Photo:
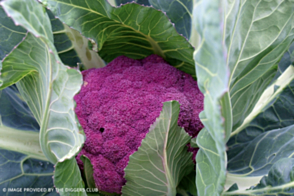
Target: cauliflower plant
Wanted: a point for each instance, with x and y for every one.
(118, 103)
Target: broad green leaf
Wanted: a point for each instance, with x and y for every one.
(72, 47)
(10, 35)
(210, 165)
(257, 33)
(18, 128)
(279, 181)
(88, 172)
(286, 61)
(20, 171)
(212, 77)
(44, 82)
(67, 178)
(187, 185)
(272, 111)
(162, 160)
(15, 112)
(270, 94)
(131, 30)
(178, 11)
(22, 163)
(62, 43)
(249, 162)
(259, 154)
(277, 114)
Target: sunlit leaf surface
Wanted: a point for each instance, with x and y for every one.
(257, 35)
(212, 75)
(44, 82)
(22, 163)
(130, 30)
(162, 160)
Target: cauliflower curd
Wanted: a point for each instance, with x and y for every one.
(118, 103)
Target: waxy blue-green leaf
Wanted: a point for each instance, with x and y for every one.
(279, 181)
(187, 185)
(277, 114)
(15, 112)
(72, 47)
(286, 61)
(255, 47)
(257, 33)
(162, 160)
(68, 179)
(21, 172)
(260, 153)
(273, 111)
(18, 128)
(212, 77)
(210, 165)
(88, 172)
(10, 36)
(62, 43)
(44, 82)
(22, 163)
(178, 11)
(131, 30)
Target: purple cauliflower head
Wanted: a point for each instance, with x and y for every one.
(118, 103)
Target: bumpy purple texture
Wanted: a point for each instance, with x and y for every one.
(118, 103)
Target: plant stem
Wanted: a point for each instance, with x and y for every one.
(26, 142)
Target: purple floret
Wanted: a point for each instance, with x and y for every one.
(118, 103)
